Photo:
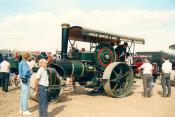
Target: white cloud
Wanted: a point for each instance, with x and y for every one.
(37, 31)
(155, 26)
(42, 30)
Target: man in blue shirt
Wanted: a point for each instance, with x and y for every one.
(24, 75)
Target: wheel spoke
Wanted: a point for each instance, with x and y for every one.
(126, 73)
(119, 75)
(115, 74)
(113, 80)
(115, 86)
(120, 81)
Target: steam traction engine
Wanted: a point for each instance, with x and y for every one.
(98, 67)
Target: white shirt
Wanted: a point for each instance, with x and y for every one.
(5, 66)
(31, 64)
(166, 66)
(147, 68)
(42, 76)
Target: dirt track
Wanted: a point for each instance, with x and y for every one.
(80, 104)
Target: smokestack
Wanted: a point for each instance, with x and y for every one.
(65, 35)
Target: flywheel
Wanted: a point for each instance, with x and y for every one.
(104, 55)
(54, 89)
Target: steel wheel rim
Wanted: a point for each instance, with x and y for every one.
(120, 80)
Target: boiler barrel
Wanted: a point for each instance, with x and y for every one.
(76, 68)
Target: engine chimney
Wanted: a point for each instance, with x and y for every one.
(65, 34)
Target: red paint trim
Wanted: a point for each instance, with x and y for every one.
(99, 59)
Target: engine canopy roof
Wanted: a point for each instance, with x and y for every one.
(78, 33)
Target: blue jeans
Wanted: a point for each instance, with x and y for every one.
(4, 81)
(0, 79)
(43, 101)
(24, 96)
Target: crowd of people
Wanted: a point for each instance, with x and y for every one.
(42, 82)
(25, 67)
(148, 82)
(167, 71)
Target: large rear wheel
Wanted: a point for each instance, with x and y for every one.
(118, 79)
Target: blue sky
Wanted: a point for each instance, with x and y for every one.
(26, 6)
(126, 4)
(38, 21)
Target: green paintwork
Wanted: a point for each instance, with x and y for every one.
(53, 81)
(86, 57)
(101, 51)
(76, 68)
(52, 76)
(13, 63)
